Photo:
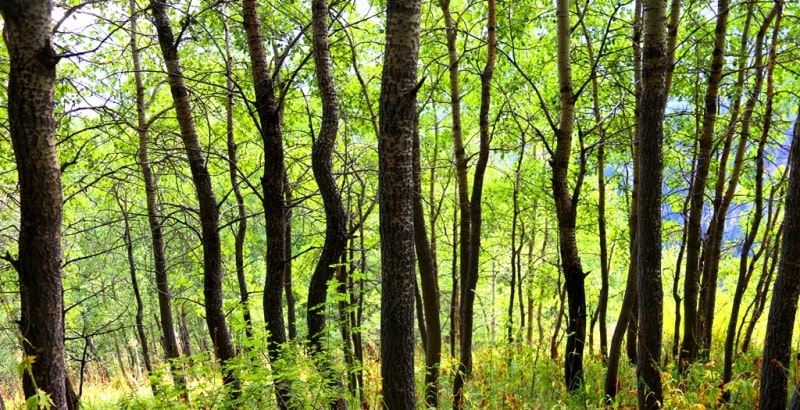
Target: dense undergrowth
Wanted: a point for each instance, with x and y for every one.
(504, 377)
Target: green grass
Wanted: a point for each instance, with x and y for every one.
(504, 377)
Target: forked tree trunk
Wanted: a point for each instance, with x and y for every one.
(209, 217)
(470, 282)
(31, 85)
(273, 182)
(139, 323)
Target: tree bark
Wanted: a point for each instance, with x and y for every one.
(269, 110)
(31, 86)
(776, 363)
(139, 323)
(691, 343)
(430, 288)
(566, 207)
(209, 216)
(398, 126)
(469, 282)
(233, 171)
(627, 313)
(651, 136)
(170, 341)
(746, 269)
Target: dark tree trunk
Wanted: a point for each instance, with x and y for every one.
(783, 308)
(651, 136)
(627, 312)
(430, 289)
(273, 181)
(322, 150)
(288, 282)
(566, 202)
(691, 342)
(140, 333)
(722, 201)
(398, 126)
(241, 210)
(169, 340)
(31, 85)
(746, 269)
(209, 224)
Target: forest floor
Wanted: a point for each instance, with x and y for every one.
(504, 378)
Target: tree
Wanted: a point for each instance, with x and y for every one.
(209, 214)
(398, 125)
(566, 206)
(690, 344)
(169, 339)
(783, 307)
(651, 136)
(273, 185)
(322, 150)
(31, 87)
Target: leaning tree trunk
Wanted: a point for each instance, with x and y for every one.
(783, 308)
(31, 85)
(745, 269)
(273, 186)
(209, 224)
(169, 340)
(651, 136)
(398, 125)
(722, 202)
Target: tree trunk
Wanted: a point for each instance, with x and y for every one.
(169, 341)
(627, 312)
(241, 210)
(566, 208)
(209, 217)
(31, 85)
(398, 126)
(691, 342)
(269, 110)
(776, 363)
(745, 269)
(722, 202)
(140, 334)
(469, 282)
(321, 153)
(461, 259)
(430, 288)
(651, 136)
